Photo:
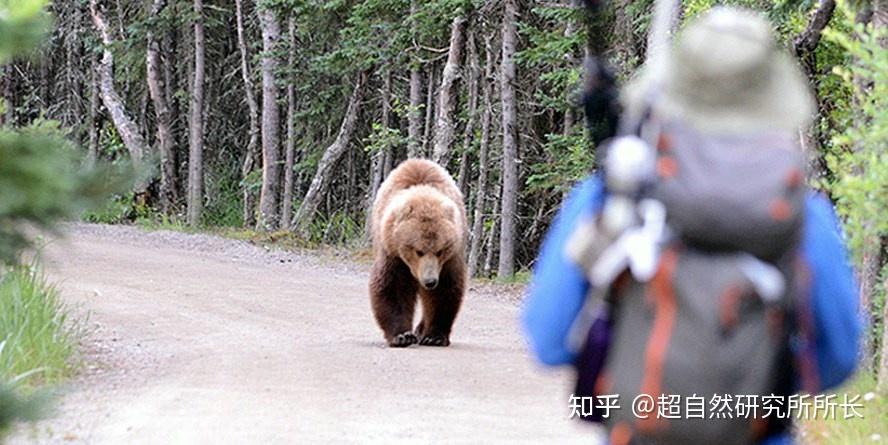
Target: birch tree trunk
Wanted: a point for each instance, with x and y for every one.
(447, 94)
(481, 188)
(269, 198)
(287, 196)
(126, 127)
(506, 266)
(429, 112)
(318, 188)
(164, 120)
(195, 147)
(251, 157)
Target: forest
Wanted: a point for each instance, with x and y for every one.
(284, 116)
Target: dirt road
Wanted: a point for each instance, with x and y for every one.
(197, 339)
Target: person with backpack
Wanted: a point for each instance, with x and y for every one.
(718, 275)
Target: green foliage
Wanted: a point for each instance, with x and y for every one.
(555, 36)
(39, 335)
(859, 159)
(861, 188)
(572, 159)
(337, 228)
(121, 209)
(224, 206)
(23, 24)
(42, 181)
(383, 139)
(553, 51)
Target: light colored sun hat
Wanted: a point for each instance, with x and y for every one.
(725, 74)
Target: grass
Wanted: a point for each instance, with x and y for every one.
(38, 336)
(871, 429)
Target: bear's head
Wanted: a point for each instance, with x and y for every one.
(423, 228)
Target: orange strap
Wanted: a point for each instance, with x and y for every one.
(662, 294)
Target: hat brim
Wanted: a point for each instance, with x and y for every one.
(782, 103)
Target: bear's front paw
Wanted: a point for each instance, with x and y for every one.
(403, 340)
(434, 340)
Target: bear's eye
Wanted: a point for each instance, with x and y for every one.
(419, 252)
(439, 253)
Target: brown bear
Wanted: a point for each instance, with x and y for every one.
(419, 233)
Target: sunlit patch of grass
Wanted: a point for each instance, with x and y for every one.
(872, 428)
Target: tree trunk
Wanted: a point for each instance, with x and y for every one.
(269, 198)
(287, 196)
(251, 157)
(414, 126)
(168, 188)
(474, 72)
(492, 238)
(429, 111)
(569, 31)
(806, 42)
(626, 44)
(126, 127)
(195, 148)
(447, 94)
(804, 46)
(414, 116)
(481, 188)
(172, 79)
(6, 95)
(92, 154)
(318, 188)
(510, 144)
(377, 160)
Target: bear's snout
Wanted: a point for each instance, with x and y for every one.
(430, 283)
(429, 270)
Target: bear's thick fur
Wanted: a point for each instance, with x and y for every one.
(419, 233)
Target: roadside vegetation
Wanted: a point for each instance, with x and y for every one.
(40, 335)
(44, 178)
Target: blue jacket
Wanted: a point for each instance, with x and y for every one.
(559, 287)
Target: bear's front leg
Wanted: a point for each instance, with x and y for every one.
(393, 299)
(440, 306)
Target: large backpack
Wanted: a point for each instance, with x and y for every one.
(714, 321)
